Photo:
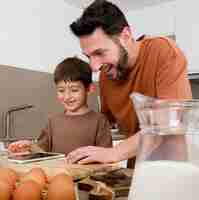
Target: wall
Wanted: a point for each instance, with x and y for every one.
(57, 42)
(35, 34)
(20, 33)
(154, 20)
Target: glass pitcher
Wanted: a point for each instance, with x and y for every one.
(167, 165)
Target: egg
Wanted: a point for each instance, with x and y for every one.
(5, 190)
(8, 175)
(28, 190)
(61, 187)
(36, 174)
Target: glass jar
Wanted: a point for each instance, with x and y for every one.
(167, 165)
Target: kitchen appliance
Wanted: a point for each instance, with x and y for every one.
(167, 165)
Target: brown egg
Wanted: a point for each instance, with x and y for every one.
(28, 190)
(5, 190)
(36, 174)
(61, 187)
(9, 175)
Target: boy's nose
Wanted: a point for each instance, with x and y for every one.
(67, 96)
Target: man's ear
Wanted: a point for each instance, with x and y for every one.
(91, 88)
(126, 35)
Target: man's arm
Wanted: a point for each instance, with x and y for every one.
(127, 148)
(122, 151)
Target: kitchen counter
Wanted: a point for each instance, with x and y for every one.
(84, 196)
(53, 167)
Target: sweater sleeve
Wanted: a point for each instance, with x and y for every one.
(44, 140)
(171, 75)
(103, 135)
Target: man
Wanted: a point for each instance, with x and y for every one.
(152, 66)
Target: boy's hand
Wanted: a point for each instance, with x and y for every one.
(20, 146)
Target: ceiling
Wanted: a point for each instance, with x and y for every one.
(125, 5)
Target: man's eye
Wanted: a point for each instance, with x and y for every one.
(99, 54)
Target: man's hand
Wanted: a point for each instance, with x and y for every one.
(91, 154)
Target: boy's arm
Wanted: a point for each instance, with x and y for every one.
(103, 136)
(36, 148)
(44, 140)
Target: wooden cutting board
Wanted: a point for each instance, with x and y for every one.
(55, 166)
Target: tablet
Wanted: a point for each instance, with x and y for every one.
(33, 157)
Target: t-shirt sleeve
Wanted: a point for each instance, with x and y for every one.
(171, 75)
(103, 136)
(44, 140)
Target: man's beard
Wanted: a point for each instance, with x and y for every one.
(121, 66)
(122, 69)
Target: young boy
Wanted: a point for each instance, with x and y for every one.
(78, 125)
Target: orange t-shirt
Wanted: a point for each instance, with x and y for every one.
(160, 71)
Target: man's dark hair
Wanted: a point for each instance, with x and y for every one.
(73, 69)
(100, 14)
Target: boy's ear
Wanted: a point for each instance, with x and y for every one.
(91, 88)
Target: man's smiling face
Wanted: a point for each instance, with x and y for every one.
(105, 53)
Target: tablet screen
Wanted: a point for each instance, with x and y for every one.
(22, 158)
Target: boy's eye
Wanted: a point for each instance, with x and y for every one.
(61, 91)
(74, 90)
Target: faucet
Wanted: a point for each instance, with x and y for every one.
(7, 118)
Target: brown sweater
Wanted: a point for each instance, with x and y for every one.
(64, 133)
(160, 71)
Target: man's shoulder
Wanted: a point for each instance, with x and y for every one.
(162, 46)
(159, 41)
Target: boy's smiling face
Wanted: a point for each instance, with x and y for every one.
(73, 96)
